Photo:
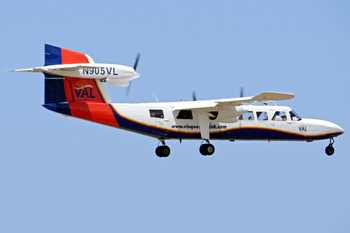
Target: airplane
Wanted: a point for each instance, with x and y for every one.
(74, 86)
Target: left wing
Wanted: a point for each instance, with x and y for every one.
(263, 97)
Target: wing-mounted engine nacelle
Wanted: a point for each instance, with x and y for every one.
(228, 114)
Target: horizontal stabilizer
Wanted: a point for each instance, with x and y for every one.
(66, 67)
(39, 69)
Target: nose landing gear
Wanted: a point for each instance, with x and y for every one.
(163, 150)
(330, 149)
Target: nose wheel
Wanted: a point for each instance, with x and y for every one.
(163, 150)
(207, 149)
(330, 149)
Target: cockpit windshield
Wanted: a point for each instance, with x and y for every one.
(294, 116)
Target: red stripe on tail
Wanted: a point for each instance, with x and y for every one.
(71, 57)
(84, 97)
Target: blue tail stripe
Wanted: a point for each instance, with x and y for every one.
(54, 89)
(59, 107)
(53, 55)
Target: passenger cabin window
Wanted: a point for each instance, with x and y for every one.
(262, 116)
(247, 116)
(279, 116)
(294, 116)
(156, 113)
(185, 114)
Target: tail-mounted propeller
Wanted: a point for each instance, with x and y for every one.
(135, 66)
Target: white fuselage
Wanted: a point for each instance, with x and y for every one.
(169, 123)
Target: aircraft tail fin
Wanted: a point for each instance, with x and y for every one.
(60, 89)
(58, 56)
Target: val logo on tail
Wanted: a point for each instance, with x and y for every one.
(75, 86)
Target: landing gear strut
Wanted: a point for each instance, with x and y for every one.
(330, 148)
(207, 149)
(163, 150)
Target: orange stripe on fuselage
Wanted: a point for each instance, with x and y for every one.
(96, 112)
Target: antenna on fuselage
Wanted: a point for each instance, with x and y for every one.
(155, 97)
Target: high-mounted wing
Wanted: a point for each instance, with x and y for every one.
(263, 97)
(204, 108)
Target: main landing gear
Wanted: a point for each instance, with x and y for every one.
(330, 148)
(163, 150)
(207, 149)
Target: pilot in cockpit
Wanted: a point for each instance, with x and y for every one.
(277, 117)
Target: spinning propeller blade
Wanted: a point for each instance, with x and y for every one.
(135, 66)
(194, 96)
(128, 90)
(137, 60)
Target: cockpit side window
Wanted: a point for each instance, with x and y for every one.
(247, 116)
(157, 113)
(294, 116)
(262, 116)
(279, 116)
(185, 114)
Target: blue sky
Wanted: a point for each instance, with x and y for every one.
(60, 174)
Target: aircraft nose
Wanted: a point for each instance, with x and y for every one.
(341, 130)
(335, 128)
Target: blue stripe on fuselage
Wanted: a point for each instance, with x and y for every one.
(126, 123)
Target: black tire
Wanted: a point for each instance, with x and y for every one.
(330, 150)
(210, 149)
(203, 149)
(165, 151)
(159, 151)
